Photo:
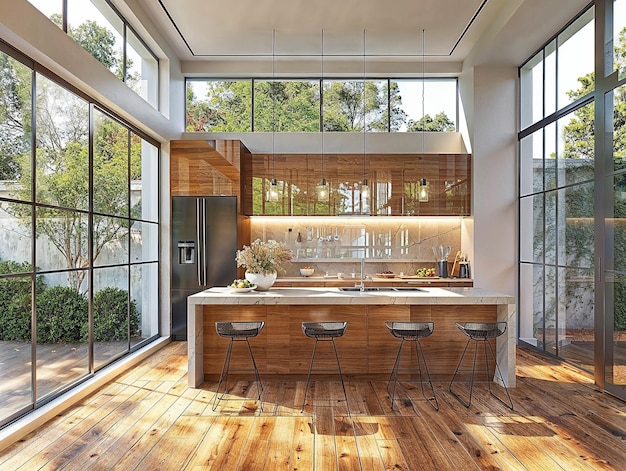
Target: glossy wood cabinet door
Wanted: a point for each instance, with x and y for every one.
(393, 181)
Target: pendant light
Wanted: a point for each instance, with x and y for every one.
(272, 194)
(422, 192)
(365, 189)
(322, 189)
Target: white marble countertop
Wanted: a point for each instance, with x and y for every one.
(336, 296)
(505, 305)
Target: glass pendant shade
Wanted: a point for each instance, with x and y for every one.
(322, 191)
(272, 194)
(365, 190)
(422, 195)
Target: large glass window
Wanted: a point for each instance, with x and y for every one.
(84, 248)
(559, 74)
(619, 37)
(142, 68)
(343, 105)
(294, 105)
(99, 31)
(556, 164)
(531, 90)
(575, 60)
(381, 114)
(615, 237)
(433, 108)
(219, 105)
(105, 34)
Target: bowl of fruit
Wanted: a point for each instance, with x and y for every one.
(307, 271)
(386, 274)
(241, 286)
(427, 273)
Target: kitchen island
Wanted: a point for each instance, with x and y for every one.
(367, 349)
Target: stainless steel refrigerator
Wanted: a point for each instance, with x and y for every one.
(204, 245)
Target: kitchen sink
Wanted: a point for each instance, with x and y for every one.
(368, 289)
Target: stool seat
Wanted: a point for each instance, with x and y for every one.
(239, 329)
(482, 330)
(316, 330)
(409, 330)
(324, 332)
(237, 332)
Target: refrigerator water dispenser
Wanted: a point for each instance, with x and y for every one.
(186, 251)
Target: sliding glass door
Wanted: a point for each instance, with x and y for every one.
(615, 245)
(572, 209)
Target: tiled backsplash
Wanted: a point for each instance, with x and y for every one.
(337, 245)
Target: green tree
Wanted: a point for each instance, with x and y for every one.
(97, 41)
(578, 133)
(286, 106)
(440, 123)
(393, 115)
(62, 177)
(62, 155)
(15, 121)
(100, 42)
(200, 116)
(343, 106)
(227, 107)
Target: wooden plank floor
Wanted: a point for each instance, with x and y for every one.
(149, 419)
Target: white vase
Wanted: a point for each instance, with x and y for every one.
(262, 281)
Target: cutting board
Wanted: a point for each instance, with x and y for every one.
(415, 277)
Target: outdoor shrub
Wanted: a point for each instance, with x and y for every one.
(111, 314)
(62, 313)
(15, 302)
(620, 306)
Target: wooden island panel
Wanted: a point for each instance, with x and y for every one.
(367, 348)
(349, 347)
(444, 347)
(382, 347)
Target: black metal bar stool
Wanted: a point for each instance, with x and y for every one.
(411, 332)
(324, 331)
(481, 332)
(237, 332)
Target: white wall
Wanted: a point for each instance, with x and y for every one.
(489, 95)
(344, 142)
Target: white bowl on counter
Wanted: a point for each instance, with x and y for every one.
(307, 271)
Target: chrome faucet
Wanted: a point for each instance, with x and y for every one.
(362, 286)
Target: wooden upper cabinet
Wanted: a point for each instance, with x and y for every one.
(205, 168)
(210, 168)
(393, 181)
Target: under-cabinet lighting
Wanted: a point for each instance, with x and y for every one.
(312, 220)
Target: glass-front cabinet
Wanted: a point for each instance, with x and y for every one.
(374, 184)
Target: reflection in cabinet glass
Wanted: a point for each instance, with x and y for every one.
(394, 181)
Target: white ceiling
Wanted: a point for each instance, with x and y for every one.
(211, 30)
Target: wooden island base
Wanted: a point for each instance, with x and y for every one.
(367, 349)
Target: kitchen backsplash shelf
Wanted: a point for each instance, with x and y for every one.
(358, 260)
